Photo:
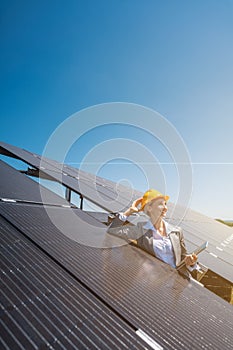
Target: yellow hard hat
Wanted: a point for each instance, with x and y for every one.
(150, 195)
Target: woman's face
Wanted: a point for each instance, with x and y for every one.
(157, 208)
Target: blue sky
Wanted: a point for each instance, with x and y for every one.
(172, 56)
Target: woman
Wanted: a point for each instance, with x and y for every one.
(155, 236)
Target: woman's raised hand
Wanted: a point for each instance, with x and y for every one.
(134, 207)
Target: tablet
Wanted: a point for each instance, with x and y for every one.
(200, 248)
(197, 251)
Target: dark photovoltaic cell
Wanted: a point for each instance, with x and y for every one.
(149, 294)
(43, 306)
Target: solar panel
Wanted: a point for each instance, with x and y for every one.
(89, 190)
(149, 294)
(19, 153)
(44, 306)
(99, 191)
(199, 228)
(114, 189)
(17, 186)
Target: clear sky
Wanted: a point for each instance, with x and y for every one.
(172, 56)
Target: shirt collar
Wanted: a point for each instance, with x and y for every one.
(149, 226)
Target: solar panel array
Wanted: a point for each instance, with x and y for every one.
(112, 198)
(66, 284)
(44, 306)
(219, 253)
